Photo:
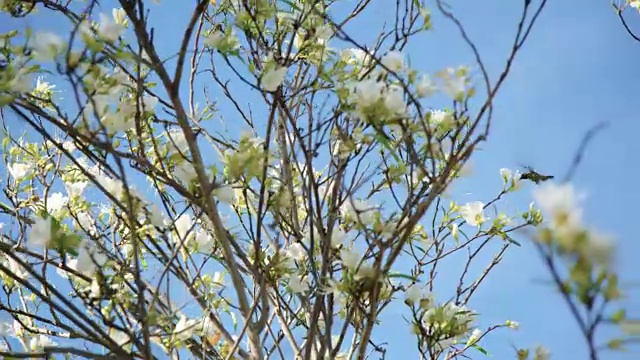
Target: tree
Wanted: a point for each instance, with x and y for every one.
(141, 227)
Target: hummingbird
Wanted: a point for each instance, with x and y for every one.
(535, 176)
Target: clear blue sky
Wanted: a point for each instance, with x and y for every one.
(578, 68)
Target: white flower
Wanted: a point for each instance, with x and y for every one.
(393, 60)
(414, 294)
(355, 56)
(85, 221)
(56, 202)
(214, 39)
(119, 16)
(296, 251)
(512, 324)
(71, 264)
(6, 329)
(394, 100)
(185, 172)
(204, 241)
(42, 89)
(75, 189)
(425, 87)
(368, 92)
(358, 210)
(635, 4)
(178, 141)
(599, 247)
(506, 174)
(109, 30)
(156, 217)
(19, 170)
(218, 278)
(185, 328)
(473, 338)
(454, 85)
(120, 121)
(271, 79)
(454, 231)
(149, 103)
(541, 354)
(112, 186)
(89, 258)
(350, 258)
(440, 117)
(40, 234)
(509, 176)
(473, 213)
(183, 227)
(39, 342)
(337, 236)
(94, 289)
(561, 203)
(47, 46)
(17, 269)
(120, 337)
(69, 146)
(225, 193)
(298, 284)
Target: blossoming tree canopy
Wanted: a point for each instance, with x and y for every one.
(154, 208)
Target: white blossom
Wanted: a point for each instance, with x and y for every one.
(108, 30)
(55, 202)
(214, 39)
(183, 227)
(414, 294)
(185, 328)
(338, 236)
(185, 172)
(149, 103)
(350, 259)
(112, 186)
(17, 269)
(472, 213)
(425, 87)
(454, 85)
(225, 193)
(119, 16)
(541, 353)
(178, 141)
(394, 100)
(393, 60)
(89, 258)
(19, 170)
(298, 284)
(474, 337)
(71, 264)
(358, 210)
(296, 251)
(75, 189)
(204, 241)
(39, 342)
(40, 234)
(46, 46)
(368, 92)
(271, 79)
(561, 203)
(120, 337)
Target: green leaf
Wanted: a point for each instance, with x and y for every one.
(387, 145)
(402, 276)
(482, 350)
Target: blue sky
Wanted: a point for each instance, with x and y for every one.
(577, 69)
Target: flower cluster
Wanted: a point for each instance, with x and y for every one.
(561, 205)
